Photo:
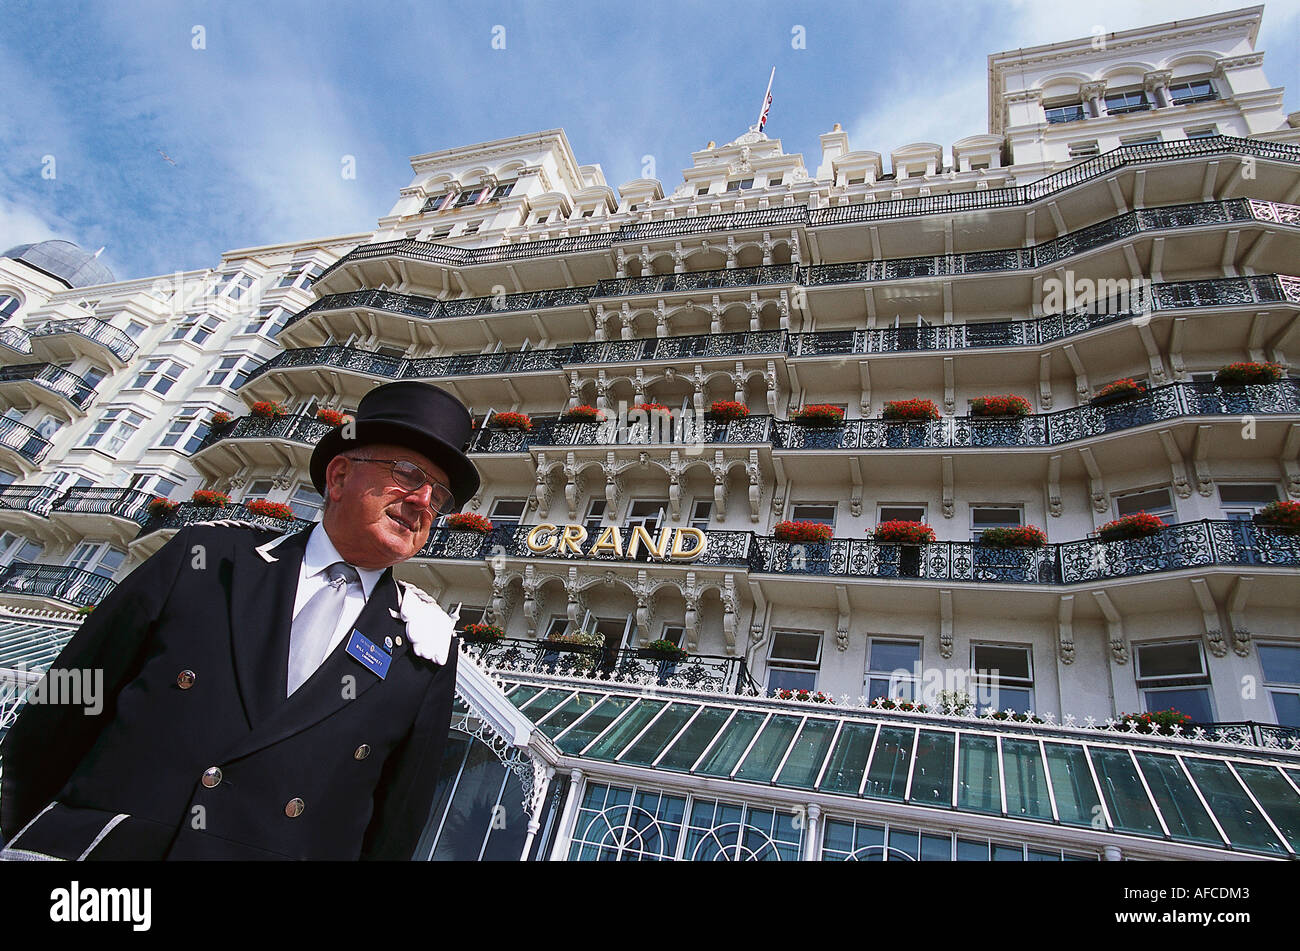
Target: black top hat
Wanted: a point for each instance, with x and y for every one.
(417, 416)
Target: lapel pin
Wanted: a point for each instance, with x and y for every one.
(399, 642)
(388, 643)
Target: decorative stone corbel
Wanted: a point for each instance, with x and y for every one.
(864, 378)
(754, 475)
(691, 594)
(855, 495)
(1065, 628)
(1054, 506)
(729, 609)
(1237, 615)
(842, 624)
(1176, 465)
(1045, 380)
(1201, 460)
(1114, 628)
(1096, 487)
(1210, 615)
(573, 485)
(531, 607)
(1081, 386)
(1291, 460)
(948, 503)
(945, 624)
(674, 485)
(949, 387)
(1158, 375)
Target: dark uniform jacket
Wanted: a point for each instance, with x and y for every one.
(197, 744)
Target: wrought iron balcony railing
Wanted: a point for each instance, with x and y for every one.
(53, 378)
(787, 216)
(301, 429)
(38, 499)
(713, 672)
(102, 500)
(59, 582)
(553, 432)
(698, 280)
(187, 513)
(1184, 545)
(22, 439)
(92, 328)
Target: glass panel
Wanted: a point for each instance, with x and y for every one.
(632, 722)
(852, 841)
(848, 759)
(936, 848)
(590, 728)
(1241, 821)
(1026, 780)
(1002, 661)
(888, 776)
(888, 656)
(1287, 707)
(972, 850)
(1037, 855)
(1130, 810)
(932, 775)
(544, 703)
(1193, 701)
(1076, 794)
(651, 744)
(569, 712)
(1182, 811)
(1281, 664)
(761, 763)
(694, 739)
(1276, 796)
(977, 786)
(1008, 853)
(1169, 660)
(806, 757)
(903, 844)
(731, 745)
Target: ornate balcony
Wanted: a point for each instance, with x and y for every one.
(698, 280)
(712, 672)
(786, 216)
(553, 432)
(1185, 545)
(57, 583)
(36, 383)
(187, 513)
(21, 443)
(67, 339)
(258, 440)
(37, 499)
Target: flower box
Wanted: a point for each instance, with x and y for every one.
(898, 532)
(468, 522)
(333, 417)
(727, 410)
(819, 414)
(210, 499)
(649, 408)
(1121, 391)
(276, 510)
(1248, 374)
(1027, 536)
(220, 418)
(571, 647)
(267, 409)
(1163, 721)
(482, 633)
(806, 696)
(910, 410)
(907, 706)
(1015, 717)
(1009, 405)
(662, 649)
(808, 532)
(511, 421)
(1283, 516)
(583, 414)
(160, 508)
(1131, 526)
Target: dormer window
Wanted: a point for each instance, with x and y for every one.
(1184, 94)
(740, 184)
(702, 190)
(774, 181)
(858, 180)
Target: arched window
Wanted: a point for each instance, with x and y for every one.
(9, 305)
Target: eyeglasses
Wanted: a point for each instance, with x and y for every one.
(411, 478)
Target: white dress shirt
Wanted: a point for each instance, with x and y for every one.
(320, 554)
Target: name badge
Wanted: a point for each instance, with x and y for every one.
(371, 655)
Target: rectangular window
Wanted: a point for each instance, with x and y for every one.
(1152, 138)
(1070, 112)
(1204, 132)
(674, 633)
(595, 515)
(471, 228)
(507, 512)
(1199, 90)
(858, 180)
(994, 516)
(134, 329)
(1174, 674)
(902, 513)
(775, 180)
(1281, 665)
(820, 512)
(892, 668)
(1153, 502)
(1241, 501)
(231, 372)
(305, 502)
(502, 191)
(701, 511)
(793, 660)
(468, 197)
(187, 430)
(112, 430)
(1006, 674)
(1120, 103)
(740, 184)
(1080, 150)
(647, 512)
(432, 202)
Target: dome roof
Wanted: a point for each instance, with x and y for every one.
(63, 261)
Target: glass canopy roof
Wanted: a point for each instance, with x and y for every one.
(1241, 800)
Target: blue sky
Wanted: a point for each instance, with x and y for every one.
(259, 121)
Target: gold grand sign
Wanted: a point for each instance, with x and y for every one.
(675, 544)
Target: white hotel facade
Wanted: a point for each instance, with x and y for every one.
(1159, 165)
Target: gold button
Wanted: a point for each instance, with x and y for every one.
(185, 679)
(294, 807)
(362, 752)
(211, 776)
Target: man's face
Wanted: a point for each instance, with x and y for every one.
(372, 521)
